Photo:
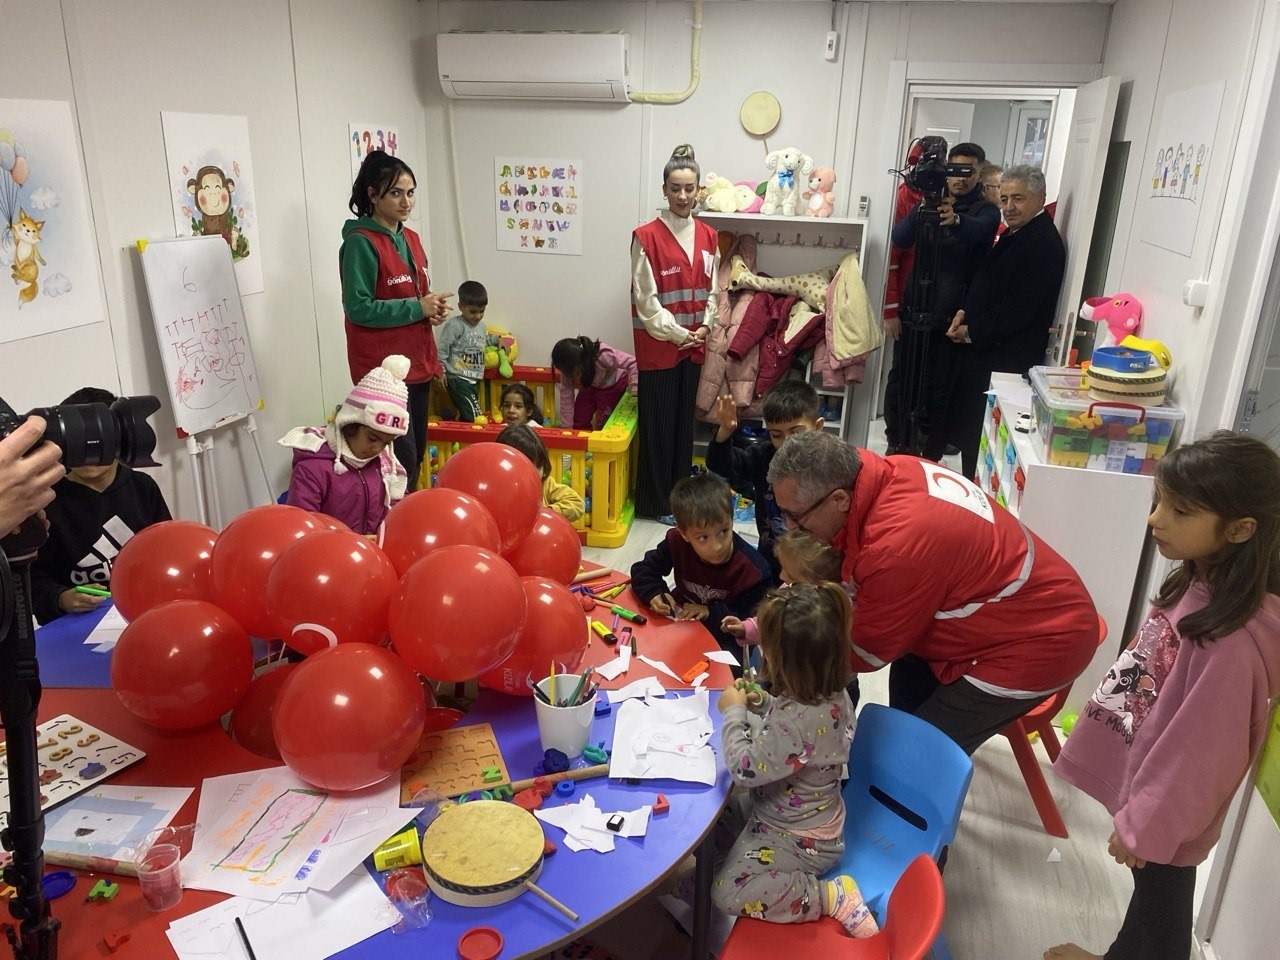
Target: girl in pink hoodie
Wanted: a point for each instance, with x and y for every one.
(1179, 719)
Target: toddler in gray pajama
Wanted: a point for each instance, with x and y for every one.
(785, 751)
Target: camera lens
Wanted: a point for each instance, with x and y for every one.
(93, 434)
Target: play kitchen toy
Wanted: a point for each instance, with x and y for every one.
(1077, 430)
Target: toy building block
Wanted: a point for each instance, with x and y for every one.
(602, 707)
(615, 822)
(502, 792)
(565, 788)
(114, 941)
(104, 889)
(661, 805)
(491, 774)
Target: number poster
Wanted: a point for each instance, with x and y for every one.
(364, 138)
(538, 205)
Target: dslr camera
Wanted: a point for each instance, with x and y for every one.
(930, 173)
(89, 434)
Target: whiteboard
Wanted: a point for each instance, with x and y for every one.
(201, 330)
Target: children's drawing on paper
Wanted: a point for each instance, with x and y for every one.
(212, 186)
(273, 833)
(1182, 158)
(45, 241)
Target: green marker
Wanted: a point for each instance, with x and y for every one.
(93, 592)
(626, 614)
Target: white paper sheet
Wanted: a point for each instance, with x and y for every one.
(310, 926)
(664, 739)
(104, 636)
(646, 686)
(585, 827)
(613, 669)
(661, 668)
(722, 656)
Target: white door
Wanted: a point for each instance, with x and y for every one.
(950, 119)
(1084, 162)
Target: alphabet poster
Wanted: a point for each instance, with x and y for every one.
(538, 205)
(1178, 167)
(364, 138)
(211, 183)
(47, 255)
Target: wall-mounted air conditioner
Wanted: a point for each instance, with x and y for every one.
(534, 66)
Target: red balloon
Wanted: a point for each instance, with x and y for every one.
(243, 556)
(457, 613)
(551, 549)
(182, 664)
(349, 717)
(165, 561)
(429, 519)
(330, 588)
(501, 478)
(251, 719)
(327, 522)
(554, 630)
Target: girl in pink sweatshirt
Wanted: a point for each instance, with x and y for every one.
(1178, 721)
(599, 373)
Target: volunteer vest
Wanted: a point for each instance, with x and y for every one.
(683, 288)
(367, 347)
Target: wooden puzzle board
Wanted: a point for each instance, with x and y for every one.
(74, 755)
(453, 761)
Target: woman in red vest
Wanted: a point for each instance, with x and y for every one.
(385, 294)
(673, 268)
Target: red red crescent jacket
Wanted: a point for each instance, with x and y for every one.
(943, 572)
(683, 288)
(367, 347)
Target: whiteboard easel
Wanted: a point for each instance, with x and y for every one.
(204, 345)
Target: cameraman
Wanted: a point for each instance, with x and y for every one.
(26, 478)
(967, 224)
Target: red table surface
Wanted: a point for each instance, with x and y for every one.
(178, 758)
(678, 644)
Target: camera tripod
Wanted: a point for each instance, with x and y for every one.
(920, 325)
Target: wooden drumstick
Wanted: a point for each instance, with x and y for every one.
(580, 773)
(533, 887)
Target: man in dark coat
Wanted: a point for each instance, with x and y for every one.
(1004, 326)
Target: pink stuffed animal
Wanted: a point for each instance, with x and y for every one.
(821, 199)
(1122, 314)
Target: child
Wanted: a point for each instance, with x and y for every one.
(95, 511)
(803, 560)
(786, 756)
(789, 407)
(1176, 724)
(518, 407)
(556, 496)
(461, 341)
(599, 372)
(717, 573)
(347, 469)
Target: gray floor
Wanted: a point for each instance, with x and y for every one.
(1005, 899)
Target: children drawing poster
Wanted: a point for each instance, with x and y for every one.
(538, 205)
(364, 138)
(1178, 167)
(211, 183)
(1269, 770)
(47, 252)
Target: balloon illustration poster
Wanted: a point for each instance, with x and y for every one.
(48, 264)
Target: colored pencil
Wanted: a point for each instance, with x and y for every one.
(552, 692)
(244, 938)
(577, 688)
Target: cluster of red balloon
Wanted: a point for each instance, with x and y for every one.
(469, 581)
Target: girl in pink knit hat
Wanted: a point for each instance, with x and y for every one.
(347, 469)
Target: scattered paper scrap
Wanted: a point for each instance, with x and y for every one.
(644, 687)
(1054, 856)
(584, 824)
(661, 667)
(664, 739)
(722, 656)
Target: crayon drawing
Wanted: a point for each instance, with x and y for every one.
(1181, 161)
(46, 242)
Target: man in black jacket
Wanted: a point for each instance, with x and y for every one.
(966, 225)
(1004, 326)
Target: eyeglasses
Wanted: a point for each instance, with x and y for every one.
(798, 518)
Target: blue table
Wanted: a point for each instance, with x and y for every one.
(596, 886)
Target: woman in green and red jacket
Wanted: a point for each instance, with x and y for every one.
(386, 299)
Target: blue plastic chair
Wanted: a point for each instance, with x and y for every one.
(907, 784)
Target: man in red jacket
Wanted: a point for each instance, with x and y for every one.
(980, 618)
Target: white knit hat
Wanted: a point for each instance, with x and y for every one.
(380, 400)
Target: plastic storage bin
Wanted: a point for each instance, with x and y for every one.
(1076, 431)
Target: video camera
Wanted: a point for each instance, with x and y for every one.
(89, 434)
(929, 174)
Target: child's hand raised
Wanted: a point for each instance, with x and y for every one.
(727, 416)
(733, 627)
(693, 611)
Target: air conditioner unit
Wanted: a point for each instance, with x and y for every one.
(534, 66)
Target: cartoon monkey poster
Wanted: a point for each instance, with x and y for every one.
(212, 186)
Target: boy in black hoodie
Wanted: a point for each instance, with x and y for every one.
(95, 510)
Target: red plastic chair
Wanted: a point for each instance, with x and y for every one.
(1018, 733)
(910, 925)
